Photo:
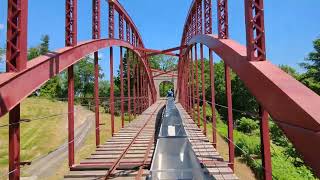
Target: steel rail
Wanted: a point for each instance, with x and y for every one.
(117, 162)
(140, 171)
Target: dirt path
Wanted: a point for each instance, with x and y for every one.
(46, 166)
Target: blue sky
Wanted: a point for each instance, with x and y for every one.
(291, 25)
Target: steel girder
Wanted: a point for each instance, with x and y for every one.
(13, 88)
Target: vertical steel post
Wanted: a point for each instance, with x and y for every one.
(96, 35)
(265, 144)
(223, 19)
(256, 51)
(134, 90)
(111, 35)
(71, 40)
(14, 143)
(16, 60)
(203, 92)
(121, 36)
(71, 115)
(213, 102)
(255, 32)
(121, 87)
(112, 102)
(197, 85)
(208, 16)
(230, 116)
(192, 84)
(128, 84)
(141, 88)
(223, 33)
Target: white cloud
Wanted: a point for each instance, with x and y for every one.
(1, 26)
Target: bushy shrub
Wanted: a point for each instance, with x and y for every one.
(247, 125)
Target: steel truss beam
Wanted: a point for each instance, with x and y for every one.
(16, 61)
(254, 14)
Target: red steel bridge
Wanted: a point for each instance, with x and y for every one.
(294, 107)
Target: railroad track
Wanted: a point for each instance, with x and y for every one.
(127, 155)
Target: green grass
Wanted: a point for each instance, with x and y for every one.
(36, 134)
(40, 137)
(282, 166)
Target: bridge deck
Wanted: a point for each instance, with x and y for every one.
(137, 139)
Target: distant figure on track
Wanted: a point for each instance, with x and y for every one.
(170, 93)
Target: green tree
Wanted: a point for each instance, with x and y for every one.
(311, 78)
(290, 70)
(165, 87)
(2, 53)
(163, 62)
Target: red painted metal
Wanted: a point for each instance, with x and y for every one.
(111, 102)
(119, 8)
(135, 90)
(71, 23)
(230, 116)
(96, 25)
(71, 40)
(223, 33)
(197, 83)
(141, 90)
(128, 32)
(111, 35)
(111, 20)
(256, 51)
(207, 17)
(96, 35)
(223, 19)
(121, 87)
(16, 60)
(299, 117)
(213, 101)
(14, 143)
(129, 83)
(254, 14)
(42, 68)
(199, 17)
(265, 144)
(204, 116)
(96, 97)
(189, 82)
(166, 51)
(121, 27)
(71, 115)
(192, 85)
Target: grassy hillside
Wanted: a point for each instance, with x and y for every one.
(283, 166)
(46, 127)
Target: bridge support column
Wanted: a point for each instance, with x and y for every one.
(128, 84)
(111, 102)
(16, 60)
(71, 40)
(14, 143)
(197, 85)
(213, 102)
(96, 35)
(265, 144)
(121, 88)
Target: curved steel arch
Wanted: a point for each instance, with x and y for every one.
(14, 87)
(294, 107)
